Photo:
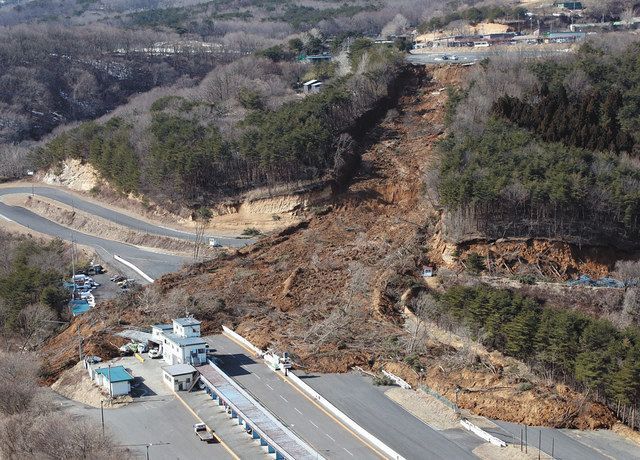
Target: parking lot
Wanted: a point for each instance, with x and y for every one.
(147, 374)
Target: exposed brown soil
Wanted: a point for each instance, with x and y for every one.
(329, 289)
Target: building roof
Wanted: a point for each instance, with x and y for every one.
(164, 327)
(179, 369)
(185, 341)
(187, 321)
(310, 82)
(117, 373)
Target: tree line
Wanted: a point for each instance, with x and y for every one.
(188, 152)
(508, 183)
(31, 293)
(588, 353)
(546, 148)
(587, 102)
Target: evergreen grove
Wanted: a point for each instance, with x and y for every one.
(576, 348)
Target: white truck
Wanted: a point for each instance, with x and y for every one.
(278, 362)
(203, 432)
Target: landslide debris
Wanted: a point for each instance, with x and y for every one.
(332, 289)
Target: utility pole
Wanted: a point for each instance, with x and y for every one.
(102, 415)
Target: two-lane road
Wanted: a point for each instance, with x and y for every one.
(152, 263)
(319, 429)
(114, 216)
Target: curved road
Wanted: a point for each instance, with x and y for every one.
(115, 216)
(154, 264)
(465, 56)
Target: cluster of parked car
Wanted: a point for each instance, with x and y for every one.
(123, 282)
(130, 348)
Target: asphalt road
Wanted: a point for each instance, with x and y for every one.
(288, 404)
(161, 421)
(467, 56)
(370, 408)
(152, 263)
(570, 444)
(117, 217)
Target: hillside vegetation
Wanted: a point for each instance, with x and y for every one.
(588, 353)
(31, 294)
(551, 154)
(243, 127)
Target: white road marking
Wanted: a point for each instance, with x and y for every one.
(314, 424)
(5, 218)
(330, 437)
(283, 398)
(348, 451)
(269, 386)
(296, 409)
(258, 377)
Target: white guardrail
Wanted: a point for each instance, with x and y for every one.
(382, 447)
(481, 433)
(242, 340)
(401, 383)
(133, 267)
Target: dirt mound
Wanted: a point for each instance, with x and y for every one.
(75, 384)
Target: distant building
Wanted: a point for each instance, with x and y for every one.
(312, 86)
(427, 272)
(571, 6)
(179, 377)
(114, 379)
(563, 37)
(180, 342)
(314, 58)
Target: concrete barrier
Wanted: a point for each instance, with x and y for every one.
(482, 434)
(382, 447)
(237, 337)
(401, 383)
(133, 267)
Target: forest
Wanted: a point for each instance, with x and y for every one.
(588, 353)
(242, 127)
(549, 152)
(31, 294)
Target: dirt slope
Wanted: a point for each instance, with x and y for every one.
(330, 289)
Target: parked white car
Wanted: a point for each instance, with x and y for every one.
(155, 353)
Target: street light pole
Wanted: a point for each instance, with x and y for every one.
(102, 414)
(147, 451)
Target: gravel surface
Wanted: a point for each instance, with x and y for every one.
(425, 407)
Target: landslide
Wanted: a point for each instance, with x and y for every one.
(330, 289)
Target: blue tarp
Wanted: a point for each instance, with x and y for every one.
(79, 306)
(585, 280)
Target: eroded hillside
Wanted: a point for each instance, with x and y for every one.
(338, 289)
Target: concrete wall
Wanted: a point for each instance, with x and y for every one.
(120, 388)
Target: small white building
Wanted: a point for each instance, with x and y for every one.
(179, 376)
(307, 87)
(114, 379)
(180, 342)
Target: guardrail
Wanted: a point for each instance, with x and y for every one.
(344, 418)
(401, 383)
(481, 433)
(242, 340)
